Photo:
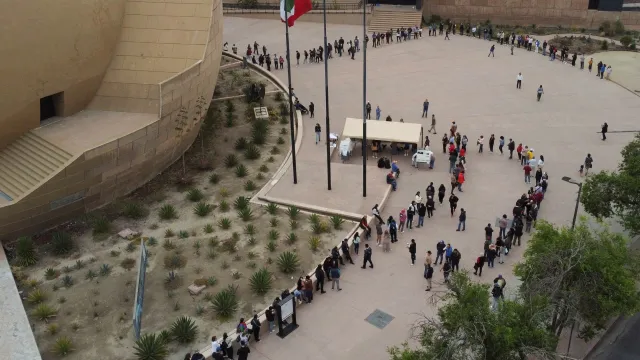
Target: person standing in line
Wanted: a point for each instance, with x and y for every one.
(378, 112)
(226, 347)
(492, 51)
(402, 217)
(455, 260)
(462, 220)
(540, 92)
(243, 352)
(335, 277)
(501, 249)
(453, 203)
(422, 211)
(605, 129)
(503, 223)
(480, 143)
(411, 211)
(297, 58)
(442, 191)
(527, 173)
(378, 233)
(255, 322)
(511, 146)
(581, 61)
(447, 253)
(393, 229)
(496, 295)
(446, 34)
(492, 141)
(431, 205)
(356, 243)
(345, 251)
(312, 108)
(440, 251)
(590, 64)
(271, 319)
(501, 144)
(479, 264)
(425, 108)
(519, 81)
(412, 251)
(318, 131)
(367, 257)
(319, 283)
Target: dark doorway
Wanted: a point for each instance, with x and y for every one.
(51, 106)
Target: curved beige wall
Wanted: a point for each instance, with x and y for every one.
(51, 46)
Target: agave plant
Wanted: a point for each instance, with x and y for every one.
(223, 192)
(250, 186)
(274, 222)
(90, 275)
(63, 346)
(152, 241)
(225, 303)
(272, 246)
(134, 210)
(242, 202)
(168, 245)
(67, 281)
(252, 241)
(252, 152)
(314, 243)
(26, 252)
(245, 214)
(37, 296)
(293, 224)
(288, 262)
(208, 229)
(241, 171)
(263, 168)
(51, 273)
(261, 282)
(291, 239)
(293, 212)
(337, 222)
(202, 209)
(273, 235)
(250, 229)
(194, 195)
(151, 347)
(224, 223)
(183, 234)
(230, 161)
(167, 212)
(105, 270)
(101, 225)
(241, 144)
(214, 178)
(44, 312)
(224, 206)
(314, 219)
(274, 150)
(272, 209)
(184, 330)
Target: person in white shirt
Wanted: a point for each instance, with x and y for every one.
(375, 212)
(533, 163)
(215, 345)
(519, 81)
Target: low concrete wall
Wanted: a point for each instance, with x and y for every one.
(345, 17)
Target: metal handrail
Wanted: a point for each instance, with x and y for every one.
(316, 6)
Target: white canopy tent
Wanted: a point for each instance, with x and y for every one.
(387, 131)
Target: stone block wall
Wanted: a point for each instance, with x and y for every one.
(100, 175)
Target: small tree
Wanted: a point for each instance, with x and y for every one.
(626, 40)
(466, 328)
(617, 194)
(587, 275)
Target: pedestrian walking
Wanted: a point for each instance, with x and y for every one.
(318, 131)
(605, 129)
(428, 274)
(492, 141)
(492, 51)
(412, 251)
(540, 92)
(243, 352)
(588, 164)
(496, 296)
(511, 146)
(425, 108)
(519, 81)
(442, 191)
(453, 203)
(462, 220)
(433, 124)
(446, 271)
(312, 109)
(440, 247)
(480, 143)
(367, 257)
(479, 264)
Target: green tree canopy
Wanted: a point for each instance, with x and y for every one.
(466, 328)
(617, 194)
(587, 275)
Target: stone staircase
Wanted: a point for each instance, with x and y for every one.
(394, 18)
(26, 163)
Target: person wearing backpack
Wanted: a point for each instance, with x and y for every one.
(367, 256)
(428, 274)
(446, 270)
(496, 296)
(335, 277)
(411, 210)
(431, 205)
(393, 229)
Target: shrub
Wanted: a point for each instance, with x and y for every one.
(241, 202)
(225, 265)
(337, 222)
(62, 243)
(224, 223)
(128, 263)
(67, 281)
(291, 239)
(314, 243)
(314, 219)
(174, 261)
(230, 161)
(229, 121)
(214, 242)
(212, 254)
(223, 193)
(134, 210)
(250, 229)
(633, 46)
(224, 206)
(52, 329)
(131, 246)
(90, 275)
(63, 346)
(167, 212)
(183, 234)
(618, 27)
(37, 296)
(293, 212)
(288, 262)
(241, 171)
(168, 245)
(271, 208)
(101, 225)
(260, 176)
(43, 312)
(280, 141)
(51, 273)
(79, 264)
(275, 150)
(319, 228)
(105, 270)
(245, 214)
(194, 195)
(272, 246)
(263, 168)
(208, 229)
(26, 252)
(212, 281)
(259, 132)
(284, 131)
(152, 347)
(251, 255)
(283, 120)
(605, 45)
(152, 241)
(274, 222)
(236, 275)
(252, 241)
(202, 209)
(225, 303)
(229, 106)
(293, 224)
(273, 235)
(626, 40)
(252, 152)
(184, 330)
(241, 144)
(169, 233)
(214, 178)
(261, 282)
(250, 186)
(279, 97)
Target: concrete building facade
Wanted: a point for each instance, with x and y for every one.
(129, 82)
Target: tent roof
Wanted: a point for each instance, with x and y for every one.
(391, 131)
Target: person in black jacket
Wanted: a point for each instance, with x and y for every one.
(345, 251)
(462, 220)
(431, 205)
(453, 203)
(442, 191)
(412, 251)
(511, 146)
(326, 266)
(271, 318)
(335, 256)
(255, 327)
(479, 265)
(431, 190)
(455, 260)
(440, 251)
(312, 108)
(422, 211)
(226, 346)
(320, 279)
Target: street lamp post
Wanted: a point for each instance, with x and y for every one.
(573, 226)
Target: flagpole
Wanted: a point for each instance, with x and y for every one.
(326, 95)
(293, 139)
(364, 100)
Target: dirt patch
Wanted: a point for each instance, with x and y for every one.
(92, 287)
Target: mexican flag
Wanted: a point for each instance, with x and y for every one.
(293, 9)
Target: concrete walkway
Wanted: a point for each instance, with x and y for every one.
(479, 93)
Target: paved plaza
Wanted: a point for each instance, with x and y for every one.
(464, 85)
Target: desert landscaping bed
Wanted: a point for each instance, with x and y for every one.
(78, 281)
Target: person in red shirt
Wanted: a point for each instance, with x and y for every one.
(527, 173)
(519, 151)
(460, 180)
(463, 152)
